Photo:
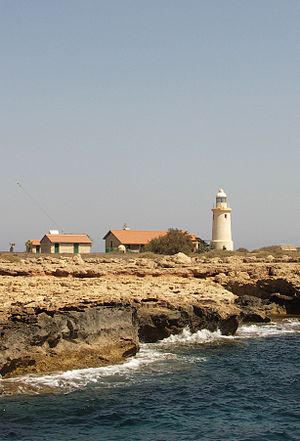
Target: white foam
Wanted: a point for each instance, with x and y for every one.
(150, 358)
(286, 326)
(187, 337)
(79, 378)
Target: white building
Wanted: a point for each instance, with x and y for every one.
(221, 224)
(65, 243)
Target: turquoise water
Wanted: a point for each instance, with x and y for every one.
(190, 387)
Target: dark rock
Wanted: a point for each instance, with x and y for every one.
(249, 301)
(69, 339)
(254, 309)
(278, 285)
(158, 323)
(291, 303)
(229, 326)
(254, 317)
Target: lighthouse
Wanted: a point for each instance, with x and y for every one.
(221, 224)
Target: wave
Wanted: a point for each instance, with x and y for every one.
(150, 358)
(285, 326)
(204, 336)
(188, 337)
(66, 382)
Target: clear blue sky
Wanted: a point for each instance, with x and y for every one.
(137, 111)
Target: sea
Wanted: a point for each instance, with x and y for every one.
(201, 386)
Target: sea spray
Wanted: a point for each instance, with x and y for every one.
(187, 337)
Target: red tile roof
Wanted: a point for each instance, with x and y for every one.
(68, 238)
(135, 237)
(195, 238)
(35, 242)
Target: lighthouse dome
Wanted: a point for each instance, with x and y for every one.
(221, 193)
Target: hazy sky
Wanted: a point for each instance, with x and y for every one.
(137, 111)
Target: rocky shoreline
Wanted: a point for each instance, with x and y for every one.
(60, 313)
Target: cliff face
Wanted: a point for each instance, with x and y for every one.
(44, 340)
(64, 313)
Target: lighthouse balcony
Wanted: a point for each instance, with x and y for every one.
(221, 208)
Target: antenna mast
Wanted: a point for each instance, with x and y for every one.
(37, 204)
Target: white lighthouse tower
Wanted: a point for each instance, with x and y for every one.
(221, 225)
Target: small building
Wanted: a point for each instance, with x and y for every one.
(288, 247)
(199, 244)
(135, 240)
(33, 246)
(66, 243)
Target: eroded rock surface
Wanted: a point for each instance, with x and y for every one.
(60, 313)
(42, 340)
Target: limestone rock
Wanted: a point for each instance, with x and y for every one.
(46, 341)
(78, 260)
(63, 312)
(182, 258)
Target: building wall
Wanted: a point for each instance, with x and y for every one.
(134, 247)
(84, 248)
(67, 248)
(64, 248)
(46, 246)
(111, 243)
(195, 246)
(221, 229)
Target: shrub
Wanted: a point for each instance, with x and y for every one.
(28, 246)
(219, 253)
(203, 247)
(173, 242)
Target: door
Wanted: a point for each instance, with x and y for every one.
(76, 248)
(56, 248)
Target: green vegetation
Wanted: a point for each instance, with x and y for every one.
(28, 246)
(274, 250)
(220, 253)
(173, 242)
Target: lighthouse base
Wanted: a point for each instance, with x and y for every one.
(222, 245)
